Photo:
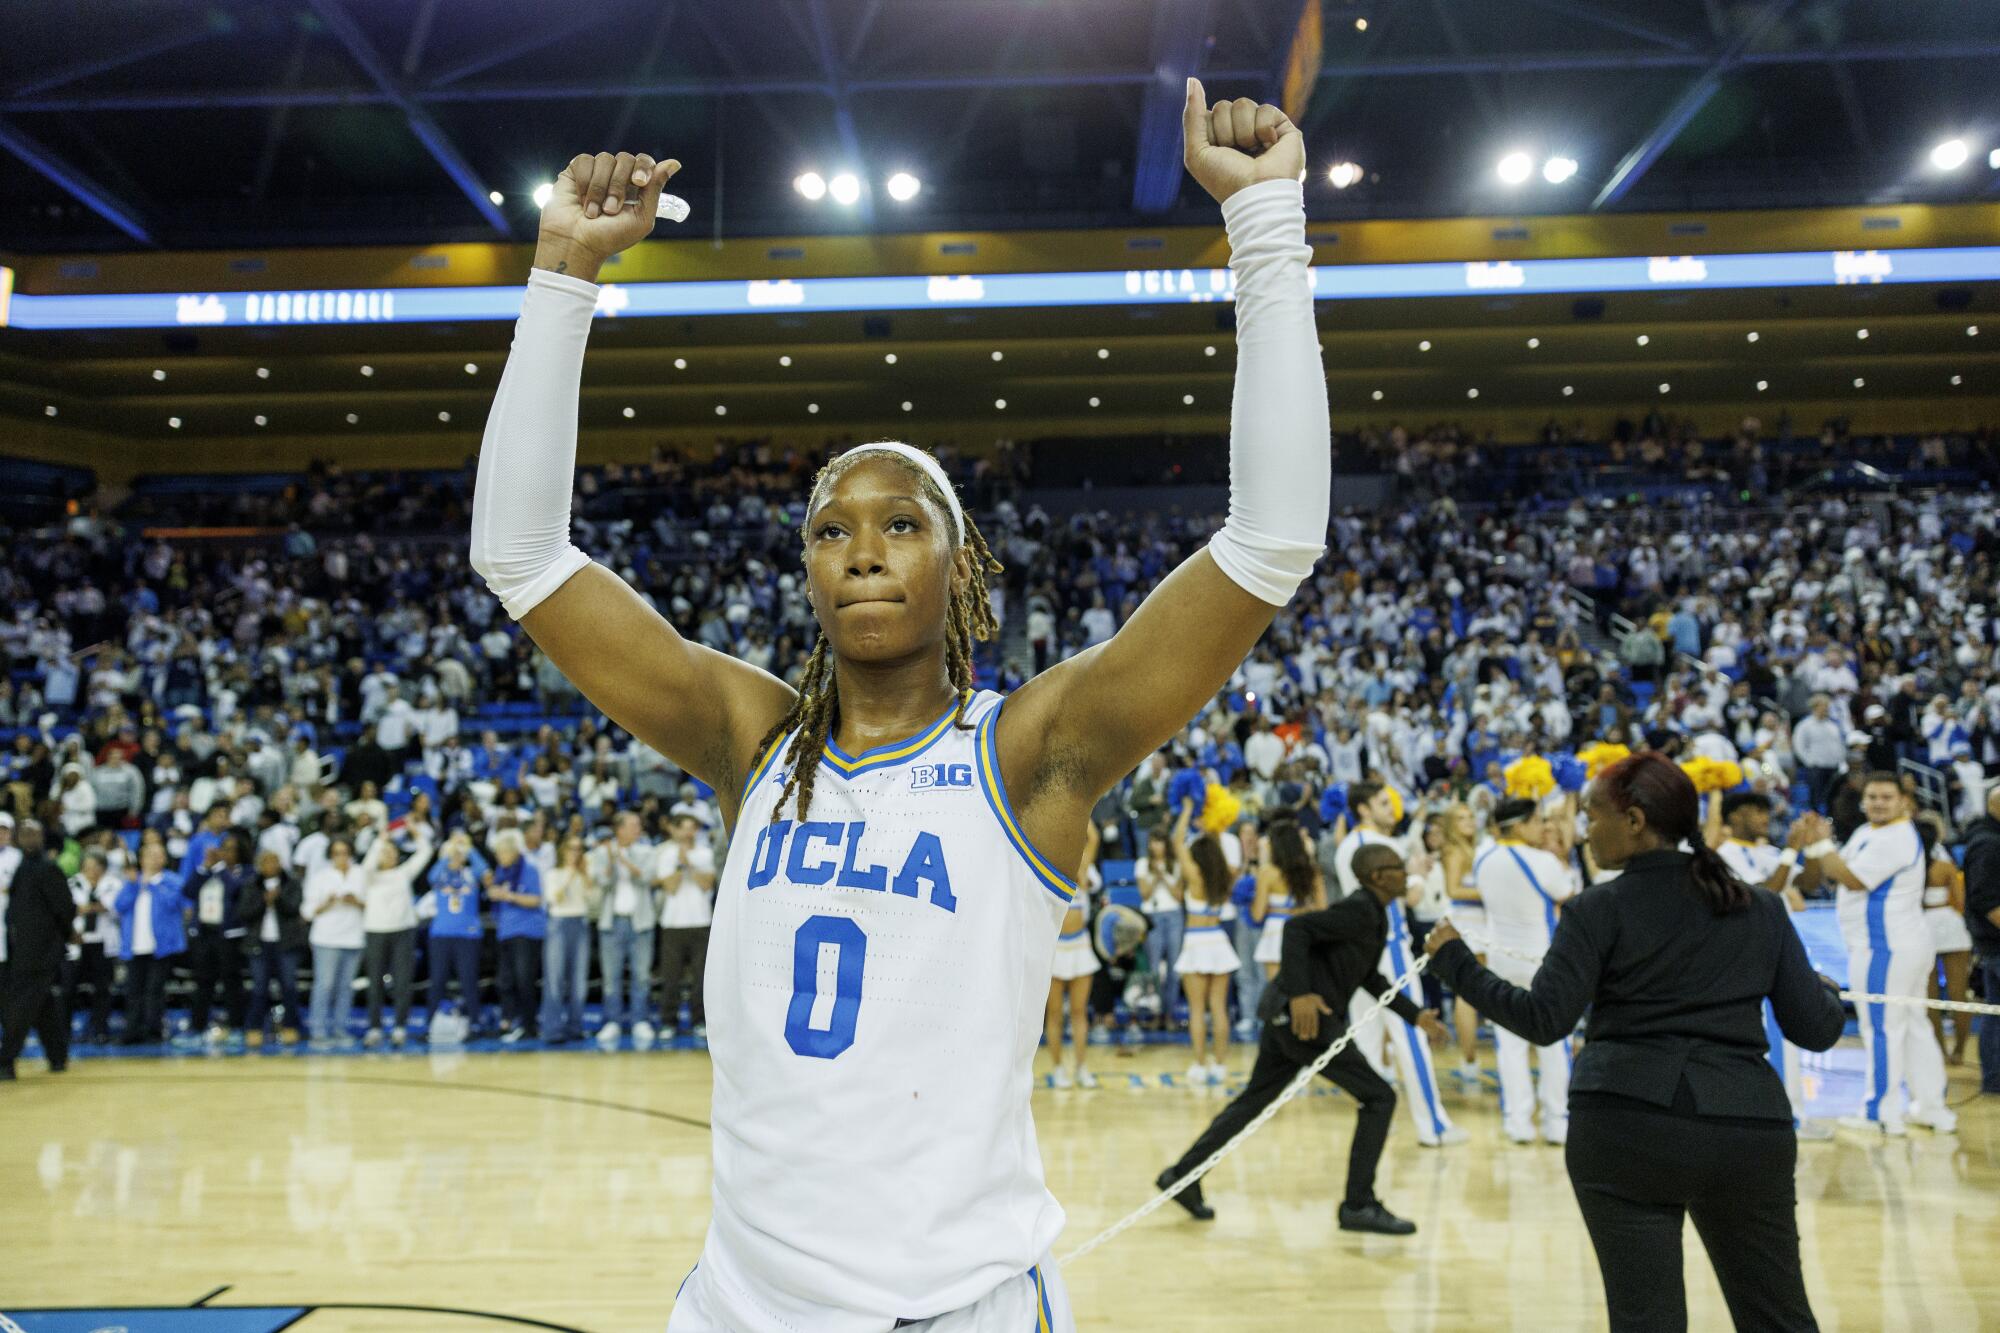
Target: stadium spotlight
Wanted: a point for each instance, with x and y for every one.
(1763, 385)
(1343, 174)
(1533, 343)
(1472, 393)
(1424, 346)
(813, 408)
(1957, 380)
(1104, 354)
(445, 417)
(1187, 400)
(1752, 336)
(1569, 390)
(49, 411)
(1361, 25)
(1666, 388)
(721, 411)
(999, 355)
(785, 361)
(353, 419)
(1208, 350)
(496, 196)
(263, 372)
(472, 367)
(261, 419)
(1558, 169)
(1377, 395)
(1860, 383)
(908, 406)
(1000, 404)
(174, 423)
(888, 358)
(845, 188)
(1516, 168)
(159, 374)
(367, 372)
(1972, 330)
(903, 187)
(1993, 160)
(1950, 155)
(630, 413)
(1643, 339)
(680, 363)
(542, 193)
(1862, 334)
(810, 184)
(1095, 402)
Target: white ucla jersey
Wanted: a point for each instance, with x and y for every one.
(1890, 860)
(1753, 862)
(875, 990)
(1521, 887)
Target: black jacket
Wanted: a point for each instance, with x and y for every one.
(250, 911)
(41, 915)
(1982, 884)
(1674, 991)
(1330, 953)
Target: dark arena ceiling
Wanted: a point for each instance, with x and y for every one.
(251, 123)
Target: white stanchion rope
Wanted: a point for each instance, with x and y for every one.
(1478, 945)
(1307, 1073)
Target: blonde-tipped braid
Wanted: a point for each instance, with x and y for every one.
(968, 617)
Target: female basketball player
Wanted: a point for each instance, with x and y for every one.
(1076, 963)
(1207, 960)
(1288, 881)
(902, 846)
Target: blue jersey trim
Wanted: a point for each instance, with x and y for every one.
(845, 765)
(1046, 875)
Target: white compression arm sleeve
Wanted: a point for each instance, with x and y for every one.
(1280, 440)
(527, 461)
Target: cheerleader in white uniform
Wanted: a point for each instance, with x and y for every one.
(1075, 964)
(1207, 960)
(1944, 913)
(1288, 881)
(1452, 871)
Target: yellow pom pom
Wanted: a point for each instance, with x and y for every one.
(1712, 775)
(1601, 755)
(1221, 810)
(1531, 777)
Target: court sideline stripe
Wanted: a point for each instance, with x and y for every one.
(531, 1093)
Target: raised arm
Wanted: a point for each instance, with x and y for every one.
(702, 709)
(1091, 719)
(1548, 1009)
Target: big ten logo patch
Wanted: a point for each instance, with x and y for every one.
(924, 777)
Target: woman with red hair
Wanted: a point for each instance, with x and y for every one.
(1674, 1109)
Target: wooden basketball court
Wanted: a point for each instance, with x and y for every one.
(571, 1190)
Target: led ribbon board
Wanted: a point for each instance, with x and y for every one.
(1344, 282)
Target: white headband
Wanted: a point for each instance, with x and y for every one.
(931, 470)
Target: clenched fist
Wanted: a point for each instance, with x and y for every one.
(1234, 144)
(601, 204)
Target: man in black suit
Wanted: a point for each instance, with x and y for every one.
(41, 922)
(1328, 954)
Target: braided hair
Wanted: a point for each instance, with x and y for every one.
(1653, 783)
(969, 617)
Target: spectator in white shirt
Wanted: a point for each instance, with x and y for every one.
(1820, 745)
(335, 903)
(622, 871)
(685, 867)
(391, 927)
(566, 894)
(93, 960)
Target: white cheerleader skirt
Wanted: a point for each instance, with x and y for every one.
(1206, 951)
(1948, 930)
(1074, 957)
(1271, 941)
